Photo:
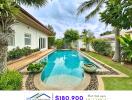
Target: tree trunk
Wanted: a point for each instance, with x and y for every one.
(87, 47)
(3, 58)
(117, 56)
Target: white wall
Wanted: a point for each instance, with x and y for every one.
(21, 29)
(113, 45)
(81, 44)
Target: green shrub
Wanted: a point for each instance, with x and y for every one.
(15, 53)
(43, 62)
(10, 80)
(51, 41)
(126, 47)
(59, 43)
(18, 53)
(102, 46)
(26, 51)
(37, 67)
(35, 50)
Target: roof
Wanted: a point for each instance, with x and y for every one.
(112, 36)
(109, 36)
(129, 31)
(28, 19)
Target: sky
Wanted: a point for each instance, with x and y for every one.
(62, 15)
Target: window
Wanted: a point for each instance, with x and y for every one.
(27, 39)
(11, 41)
(42, 43)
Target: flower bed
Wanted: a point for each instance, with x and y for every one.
(18, 53)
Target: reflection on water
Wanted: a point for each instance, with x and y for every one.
(63, 66)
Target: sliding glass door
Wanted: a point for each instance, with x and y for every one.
(42, 43)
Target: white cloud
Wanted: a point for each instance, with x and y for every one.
(61, 14)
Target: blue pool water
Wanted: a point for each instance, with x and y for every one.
(63, 68)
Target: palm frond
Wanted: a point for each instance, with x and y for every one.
(95, 11)
(86, 5)
(36, 3)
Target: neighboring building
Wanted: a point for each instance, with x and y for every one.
(81, 44)
(111, 37)
(28, 31)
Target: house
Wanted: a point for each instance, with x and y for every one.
(111, 37)
(28, 31)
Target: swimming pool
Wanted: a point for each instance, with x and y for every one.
(63, 69)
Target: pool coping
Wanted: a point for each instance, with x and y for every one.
(41, 86)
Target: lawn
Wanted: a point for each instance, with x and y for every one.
(113, 83)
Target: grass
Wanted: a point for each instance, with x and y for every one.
(115, 83)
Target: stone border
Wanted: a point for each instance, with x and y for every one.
(29, 83)
(93, 83)
(113, 72)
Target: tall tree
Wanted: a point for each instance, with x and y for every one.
(7, 18)
(8, 10)
(118, 13)
(87, 37)
(59, 43)
(51, 39)
(70, 36)
(50, 27)
(97, 4)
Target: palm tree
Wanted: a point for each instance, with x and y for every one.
(87, 37)
(99, 3)
(89, 4)
(8, 10)
(36, 3)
